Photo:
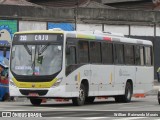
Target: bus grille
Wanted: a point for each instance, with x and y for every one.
(39, 92)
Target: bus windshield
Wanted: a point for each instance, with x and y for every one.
(31, 59)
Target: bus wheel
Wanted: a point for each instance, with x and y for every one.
(12, 98)
(89, 99)
(78, 101)
(35, 101)
(159, 97)
(127, 96)
(118, 98)
(128, 93)
(5, 97)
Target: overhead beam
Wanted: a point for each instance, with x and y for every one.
(118, 1)
(100, 15)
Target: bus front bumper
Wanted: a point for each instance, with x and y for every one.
(59, 91)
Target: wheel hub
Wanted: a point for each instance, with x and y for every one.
(81, 95)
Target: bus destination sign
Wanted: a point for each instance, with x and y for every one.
(36, 37)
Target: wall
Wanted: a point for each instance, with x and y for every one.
(142, 30)
(89, 27)
(7, 29)
(124, 29)
(32, 25)
(63, 26)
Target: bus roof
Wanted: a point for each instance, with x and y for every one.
(91, 35)
(111, 38)
(38, 31)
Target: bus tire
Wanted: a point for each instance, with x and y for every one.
(159, 97)
(128, 93)
(11, 98)
(5, 97)
(127, 96)
(78, 101)
(35, 102)
(118, 98)
(90, 99)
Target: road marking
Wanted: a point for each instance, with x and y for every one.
(57, 114)
(58, 117)
(70, 109)
(118, 104)
(138, 106)
(19, 110)
(131, 118)
(82, 114)
(131, 107)
(67, 109)
(94, 118)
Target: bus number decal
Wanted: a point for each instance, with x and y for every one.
(23, 38)
(123, 73)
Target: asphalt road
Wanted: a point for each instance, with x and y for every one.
(104, 109)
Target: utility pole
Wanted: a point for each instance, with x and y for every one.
(76, 13)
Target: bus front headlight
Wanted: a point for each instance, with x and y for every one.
(57, 82)
(11, 83)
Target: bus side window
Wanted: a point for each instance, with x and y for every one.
(119, 54)
(95, 52)
(70, 59)
(137, 55)
(129, 54)
(70, 56)
(148, 59)
(107, 53)
(83, 55)
(141, 55)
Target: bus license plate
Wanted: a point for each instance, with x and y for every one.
(33, 94)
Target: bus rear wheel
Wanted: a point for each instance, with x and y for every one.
(78, 101)
(127, 96)
(35, 101)
(159, 97)
(90, 99)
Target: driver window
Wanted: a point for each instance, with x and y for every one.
(71, 56)
(70, 59)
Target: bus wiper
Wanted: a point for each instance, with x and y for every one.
(33, 58)
(31, 52)
(28, 50)
(43, 49)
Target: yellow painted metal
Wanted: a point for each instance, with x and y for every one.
(34, 84)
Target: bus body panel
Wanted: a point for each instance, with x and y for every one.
(122, 74)
(144, 74)
(74, 79)
(138, 89)
(102, 76)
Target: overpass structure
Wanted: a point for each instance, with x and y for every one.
(92, 15)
